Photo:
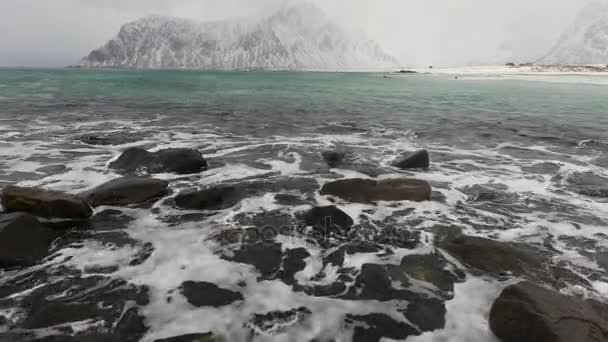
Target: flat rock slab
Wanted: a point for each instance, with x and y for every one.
(526, 312)
(369, 191)
(45, 203)
(498, 258)
(208, 294)
(23, 240)
(126, 191)
(172, 160)
(112, 138)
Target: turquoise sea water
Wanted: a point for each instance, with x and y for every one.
(513, 158)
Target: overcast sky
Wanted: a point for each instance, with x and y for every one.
(417, 32)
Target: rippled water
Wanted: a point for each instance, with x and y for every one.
(517, 159)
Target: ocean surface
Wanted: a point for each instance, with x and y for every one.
(516, 159)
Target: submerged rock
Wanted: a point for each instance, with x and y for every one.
(224, 196)
(45, 203)
(126, 191)
(333, 158)
(417, 160)
(172, 160)
(369, 191)
(112, 138)
(276, 322)
(529, 313)
(430, 268)
(374, 327)
(23, 240)
(588, 184)
(208, 294)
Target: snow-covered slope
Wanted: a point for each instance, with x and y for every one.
(586, 41)
(298, 37)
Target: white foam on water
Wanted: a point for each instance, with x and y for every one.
(467, 314)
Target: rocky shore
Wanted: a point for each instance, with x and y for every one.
(54, 303)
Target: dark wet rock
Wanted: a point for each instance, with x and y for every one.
(45, 203)
(142, 255)
(55, 313)
(126, 191)
(52, 169)
(546, 168)
(333, 158)
(176, 220)
(23, 240)
(109, 219)
(293, 262)
(336, 257)
(112, 138)
(526, 312)
(276, 322)
(202, 337)
(430, 268)
(173, 160)
(328, 220)
(131, 327)
(370, 191)
(374, 282)
(428, 314)
(214, 198)
(62, 296)
(588, 184)
(416, 160)
(208, 294)
(266, 257)
(224, 196)
(497, 258)
(374, 327)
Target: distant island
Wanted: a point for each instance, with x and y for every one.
(298, 37)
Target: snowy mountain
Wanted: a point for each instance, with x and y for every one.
(299, 37)
(586, 41)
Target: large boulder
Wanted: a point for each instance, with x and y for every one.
(416, 160)
(526, 312)
(126, 191)
(208, 294)
(369, 191)
(45, 203)
(327, 220)
(213, 198)
(497, 258)
(23, 240)
(172, 160)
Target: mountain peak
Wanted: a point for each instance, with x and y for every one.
(586, 40)
(298, 36)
